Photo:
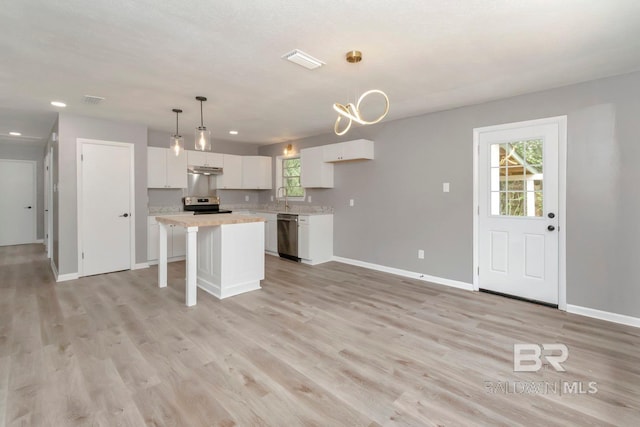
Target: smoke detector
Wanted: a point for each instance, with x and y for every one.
(90, 99)
(303, 59)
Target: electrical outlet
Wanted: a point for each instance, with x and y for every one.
(246, 198)
(309, 199)
(445, 187)
(272, 198)
(420, 254)
(351, 202)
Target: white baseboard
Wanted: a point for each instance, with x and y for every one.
(54, 269)
(155, 261)
(39, 241)
(229, 291)
(140, 266)
(62, 277)
(67, 277)
(604, 315)
(406, 273)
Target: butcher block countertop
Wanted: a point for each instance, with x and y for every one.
(211, 220)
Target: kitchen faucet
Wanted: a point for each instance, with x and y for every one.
(286, 201)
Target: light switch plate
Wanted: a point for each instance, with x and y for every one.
(351, 202)
(445, 187)
(272, 198)
(246, 198)
(420, 254)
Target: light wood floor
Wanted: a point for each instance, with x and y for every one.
(331, 345)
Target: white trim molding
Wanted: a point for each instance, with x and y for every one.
(604, 315)
(140, 266)
(62, 277)
(406, 273)
(80, 142)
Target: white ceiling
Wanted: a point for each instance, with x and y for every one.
(147, 57)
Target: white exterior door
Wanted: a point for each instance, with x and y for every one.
(518, 187)
(17, 202)
(105, 186)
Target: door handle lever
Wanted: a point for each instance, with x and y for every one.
(27, 207)
(124, 215)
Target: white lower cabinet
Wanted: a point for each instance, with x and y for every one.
(176, 240)
(315, 238)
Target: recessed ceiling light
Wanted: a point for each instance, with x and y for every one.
(58, 104)
(233, 132)
(15, 134)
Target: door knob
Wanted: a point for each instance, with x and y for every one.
(551, 228)
(124, 215)
(551, 215)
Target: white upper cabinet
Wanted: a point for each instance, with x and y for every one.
(359, 149)
(165, 169)
(256, 173)
(314, 171)
(231, 177)
(205, 158)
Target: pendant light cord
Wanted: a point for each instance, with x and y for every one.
(201, 119)
(177, 122)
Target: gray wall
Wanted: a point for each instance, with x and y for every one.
(171, 197)
(72, 127)
(13, 150)
(400, 207)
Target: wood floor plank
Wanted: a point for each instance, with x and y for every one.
(328, 345)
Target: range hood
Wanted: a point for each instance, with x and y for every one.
(204, 170)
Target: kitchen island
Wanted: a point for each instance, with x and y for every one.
(225, 253)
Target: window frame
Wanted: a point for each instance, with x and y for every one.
(278, 171)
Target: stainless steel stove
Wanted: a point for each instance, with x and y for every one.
(203, 205)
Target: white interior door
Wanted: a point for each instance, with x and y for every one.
(105, 207)
(518, 205)
(17, 202)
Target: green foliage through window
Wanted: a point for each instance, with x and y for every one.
(291, 177)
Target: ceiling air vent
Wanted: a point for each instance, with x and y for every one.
(303, 59)
(90, 99)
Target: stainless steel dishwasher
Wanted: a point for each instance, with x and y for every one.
(288, 236)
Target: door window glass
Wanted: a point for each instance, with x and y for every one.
(516, 178)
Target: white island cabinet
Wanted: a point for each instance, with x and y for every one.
(225, 253)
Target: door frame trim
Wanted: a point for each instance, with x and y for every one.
(561, 121)
(34, 164)
(132, 186)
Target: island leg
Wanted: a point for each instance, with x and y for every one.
(192, 271)
(162, 260)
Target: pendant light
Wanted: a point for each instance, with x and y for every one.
(177, 141)
(203, 135)
(350, 111)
